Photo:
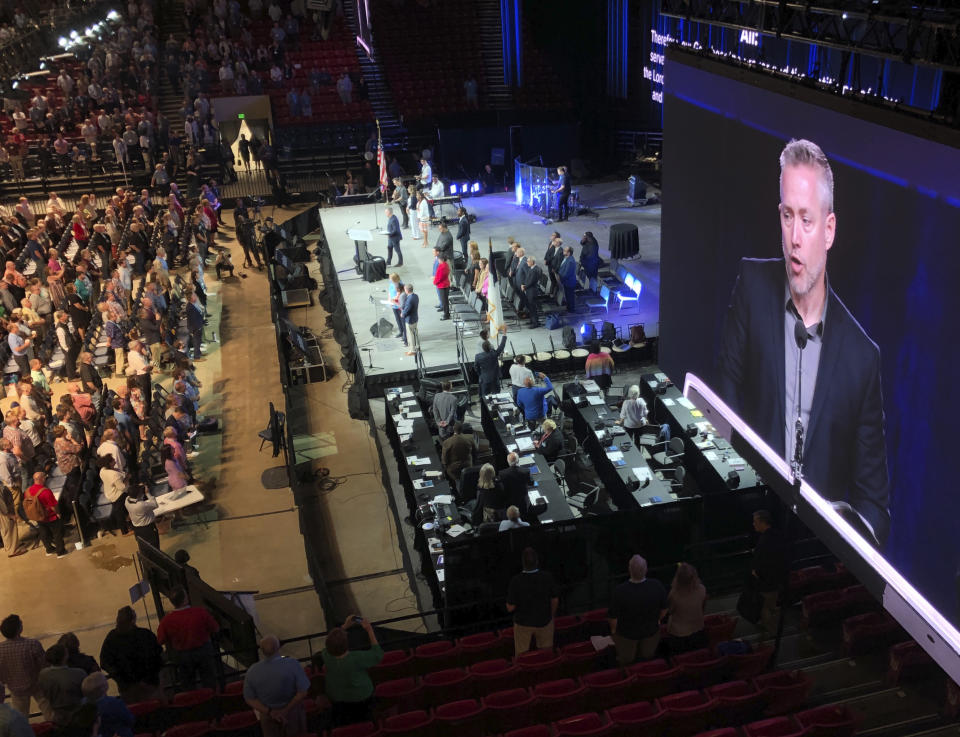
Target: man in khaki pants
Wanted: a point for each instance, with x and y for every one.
(532, 599)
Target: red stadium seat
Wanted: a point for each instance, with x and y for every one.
(786, 690)
(719, 627)
(822, 608)
(398, 695)
(494, 675)
(41, 728)
(537, 730)
(395, 664)
(538, 665)
(452, 684)
(558, 699)
(722, 732)
(909, 660)
(738, 702)
(409, 724)
(194, 706)
(641, 717)
(828, 721)
(776, 727)
(582, 725)
(578, 658)
(687, 712)
(361, 729)
(148, 716)
(436, 656)
(596, 622)
(239, 724)
(751, 664)
(608, 688)
(701, 668)
(653, 678)
(867, 632)
(231, 698)
(857, 600)
(481, 646)
(510, 709)
(567, 629)
(465, 718)
(189, 729)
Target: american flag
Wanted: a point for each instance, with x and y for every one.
(382, 162)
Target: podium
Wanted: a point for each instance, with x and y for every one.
(360, 237)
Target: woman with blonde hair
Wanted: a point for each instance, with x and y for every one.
(394, 291)
(491, 497)
(685, 604)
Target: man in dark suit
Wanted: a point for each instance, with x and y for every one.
(568, 279)
(841, 404)
(563, 194)
(590, 258)
(553, 257)
(195, 324)
(463, 231)
(531, 290)
(445, 242)
(394, 236)
(487, 365)
(409, 311)
(515, 480)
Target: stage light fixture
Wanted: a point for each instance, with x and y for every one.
(113, 15)
(62, 42)
(475, 187)
(74, 35)
(453, 189)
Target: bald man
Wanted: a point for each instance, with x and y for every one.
(274, 688)
(636, 609)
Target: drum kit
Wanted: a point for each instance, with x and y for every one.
(543, 199)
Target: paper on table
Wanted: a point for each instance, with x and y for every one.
(684, 402)
(653, 383)
(404, 437)
(406, 395)
(643, 474)
(737, 462)
(527, 460)
(590, 385)
(524, 443)
(615, 455)
(661, 376)
(455, 530)
(594, 399)
(422, 484)
(411, 459)
(409, 402)
(667, 402)
(421, 462)
(711, 455)
(443, 499)
(414, 415)
(440, 575)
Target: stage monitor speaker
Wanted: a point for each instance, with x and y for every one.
(382, 329)
(569, 338)
(608, 332)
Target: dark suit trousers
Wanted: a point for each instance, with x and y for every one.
(563, 212)
(530, 297)
(400, 327)
(464, 246)
(390, 250)
(570, 297)
(445, 300)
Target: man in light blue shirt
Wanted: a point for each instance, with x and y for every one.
(275, 688)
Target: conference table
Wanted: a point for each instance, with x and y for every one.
(506, 432)
(710, 458)
(425, 486)
(619, 462)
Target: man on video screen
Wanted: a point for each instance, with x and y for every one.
(779, 305)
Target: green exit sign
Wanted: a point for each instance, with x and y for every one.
(241, 116)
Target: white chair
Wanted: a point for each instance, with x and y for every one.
(631, 293)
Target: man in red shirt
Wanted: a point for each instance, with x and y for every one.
(441, 280)
(186, 632)
(51, 529)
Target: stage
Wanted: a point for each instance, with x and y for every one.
(498, 217)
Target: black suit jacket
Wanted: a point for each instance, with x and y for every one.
(463, 229)
(516, 482)
(552, 445)
(844, 455)
(393, 231)
(445, 246)
(487, 362)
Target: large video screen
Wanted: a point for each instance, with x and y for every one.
(874, 284)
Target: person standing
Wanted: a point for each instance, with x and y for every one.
(441, 280)
(487, 364)
(348, 684)
(458, 451)
(394, 236)
(410, 314)
(115, 718)
(567, 273)
(769, 570)
(444, 410)
(532, 598)
(423, 218)
(188, 630)
(39, 498)
(531, 398)
(141, 507)
(515, 480)
(637, 607)
(633, 413)
(133, 658)
(685, 604)
(445, 242)
(21, 660)
(531, 290)
(275, 688)
(411, 203)
(590, 258)
(60, 687)
(10, 497)
(599, 366)
(195, 325)
(463, 230)
(394, 293)
(563, 194)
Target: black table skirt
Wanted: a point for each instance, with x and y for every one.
(624, 240)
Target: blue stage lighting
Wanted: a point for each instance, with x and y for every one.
(453, 189)
(583, 329)
(519, 193)
(475, 187)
